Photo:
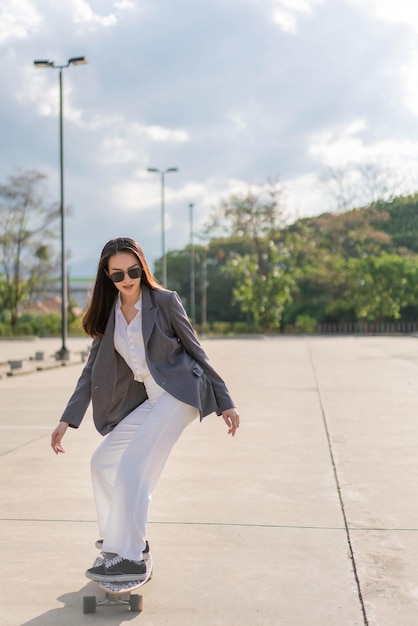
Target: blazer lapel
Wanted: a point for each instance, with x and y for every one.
(149, 313)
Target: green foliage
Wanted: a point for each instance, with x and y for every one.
(221, 328)
(402, 223)
(209, 263)
(355, 265)
(221, 305)
(355, 233)
(34, 324)
(25, 251)
(379, 287)
(255, 214)
(262, 288)
(261, 275)
(305, 325)
(257, 268)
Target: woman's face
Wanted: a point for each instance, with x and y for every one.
(128, 287)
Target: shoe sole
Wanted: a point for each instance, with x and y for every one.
(113, 578)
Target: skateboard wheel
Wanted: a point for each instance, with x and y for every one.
(89, 604)
(135, 603)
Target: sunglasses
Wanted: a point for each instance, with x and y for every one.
(133, 272)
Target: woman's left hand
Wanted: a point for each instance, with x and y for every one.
(231, 419)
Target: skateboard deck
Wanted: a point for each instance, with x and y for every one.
(118, 593)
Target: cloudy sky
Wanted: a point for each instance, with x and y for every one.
(232, 92)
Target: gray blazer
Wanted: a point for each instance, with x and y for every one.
(175, 358)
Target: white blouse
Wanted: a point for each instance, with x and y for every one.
(129, 342)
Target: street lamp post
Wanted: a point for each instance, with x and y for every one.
(192, 270)
(63, 353)
(163, 252)
(204, 288)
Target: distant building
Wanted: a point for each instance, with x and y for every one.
(78, 293)
(80, 290)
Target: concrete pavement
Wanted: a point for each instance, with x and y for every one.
(309, 517)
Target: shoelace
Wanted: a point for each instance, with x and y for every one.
(116, 559)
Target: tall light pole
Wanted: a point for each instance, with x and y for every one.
(163, 252)
(192, 272)
(63, 353)
(204, 289)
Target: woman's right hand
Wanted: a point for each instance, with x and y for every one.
(57, 436)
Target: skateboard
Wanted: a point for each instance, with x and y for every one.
(119, 593)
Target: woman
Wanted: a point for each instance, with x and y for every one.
(148, 378)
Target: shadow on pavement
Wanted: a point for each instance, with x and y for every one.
(71, 613)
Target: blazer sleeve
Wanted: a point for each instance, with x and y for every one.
(80, 399)
(185, 332)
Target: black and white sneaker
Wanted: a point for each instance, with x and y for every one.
(103, 556)
(99, 546)
(118, 569)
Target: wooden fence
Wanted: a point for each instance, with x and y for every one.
(368, 328)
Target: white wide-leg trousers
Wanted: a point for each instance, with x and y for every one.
(127, 465)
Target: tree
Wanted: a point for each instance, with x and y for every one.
(361, 185)
(402, 222)
(379, 287)
(25, 239)
(320, 289)
(210, 262)
(355, 233)
(262, 290)
(257, 267)
(352, 267)
(254, 214)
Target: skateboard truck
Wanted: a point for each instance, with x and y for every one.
(133, 601)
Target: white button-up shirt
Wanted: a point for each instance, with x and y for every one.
(129, 342)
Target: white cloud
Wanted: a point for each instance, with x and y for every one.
(249, 113)
(286, 13)
(116, 150)
(82, 13)
(132, 195)
(39, 90)
(238, 120)
(130, 132)
(401, 11)
(339, 146)
(123, 5)
(160, 134)
(345, 147)
(408, 74)
(342, 146)
(286, 19)
(144, 191)
(118, 138)
(19, 19)
(307, 196)
(122, 141)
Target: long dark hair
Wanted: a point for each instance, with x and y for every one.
(105, 292)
